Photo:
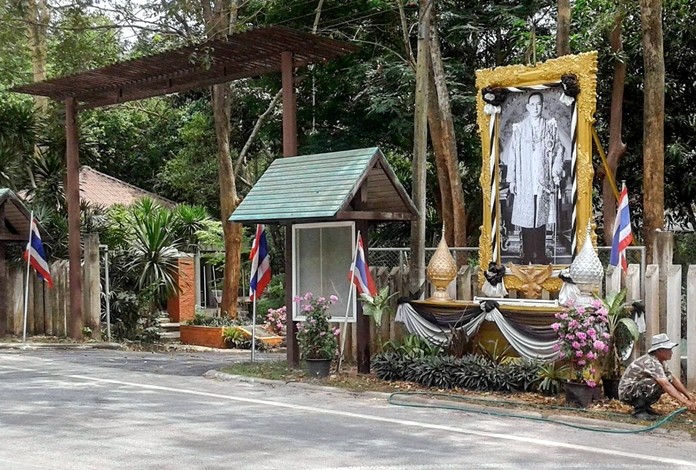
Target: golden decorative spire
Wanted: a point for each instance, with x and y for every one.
(442, 270)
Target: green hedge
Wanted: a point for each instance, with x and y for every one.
(472, 372)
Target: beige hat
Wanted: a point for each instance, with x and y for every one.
(661, 341)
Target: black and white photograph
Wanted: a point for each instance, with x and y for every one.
(535, 188)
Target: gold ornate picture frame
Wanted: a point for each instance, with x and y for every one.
(512, 100)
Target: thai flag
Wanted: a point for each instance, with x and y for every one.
(622, 232)
(361, 275)
(260, 264)
(36, 255)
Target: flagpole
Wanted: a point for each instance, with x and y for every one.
(253, 331)
(26, 283)
(350, 296)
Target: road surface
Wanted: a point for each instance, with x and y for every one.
(96, 409)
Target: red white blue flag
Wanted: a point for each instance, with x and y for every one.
(36, 255)
(361, 275)
(260, 264)
(622, 232)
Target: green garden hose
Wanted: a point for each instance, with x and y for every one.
(394, 401)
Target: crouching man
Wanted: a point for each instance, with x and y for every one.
(648, 377)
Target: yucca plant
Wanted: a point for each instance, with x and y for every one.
(153, 251)
(188, 221)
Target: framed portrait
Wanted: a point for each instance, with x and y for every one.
(536, 131)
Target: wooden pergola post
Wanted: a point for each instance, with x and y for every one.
(287, 67)
(72, 195)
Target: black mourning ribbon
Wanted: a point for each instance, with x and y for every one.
(494, 274)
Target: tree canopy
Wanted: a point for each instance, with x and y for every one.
(167, 144)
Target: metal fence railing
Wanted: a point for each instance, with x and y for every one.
(394, 257)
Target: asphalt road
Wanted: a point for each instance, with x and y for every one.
(117, 410)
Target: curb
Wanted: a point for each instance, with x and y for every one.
(577, 420)
(35, 346)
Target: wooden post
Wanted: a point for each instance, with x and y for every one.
(72, 196)
(289, 105)
(92, 304)
(362, 327)
(293, 349)
(362, 321)
(674, 278)
(691, 327)
(289, 150)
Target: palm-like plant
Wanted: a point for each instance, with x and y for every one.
(622, 330)
(188, 221)
(18, 128)
(153, 249)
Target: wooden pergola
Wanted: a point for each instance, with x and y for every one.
(242, 55)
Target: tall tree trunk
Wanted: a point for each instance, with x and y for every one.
(220, 20)
(444, 142)
(37, 17)
(653, 121)
(617, 147)
(228, 199)
(563, 28)
(420, 147)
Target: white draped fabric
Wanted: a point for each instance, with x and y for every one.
(524, 345)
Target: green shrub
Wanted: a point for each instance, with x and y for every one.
(388, 366)
(472, 372)
(525, 372)
(551, 378)
(200, 319)
(435, 371)
(273, 297)
(237, 338)
(413, 346)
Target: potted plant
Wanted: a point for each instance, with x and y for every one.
(582, 340)
(623, 333)
(316, 338)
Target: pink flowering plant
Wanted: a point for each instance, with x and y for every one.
(276, 321)
(582, 339)
(316, 337)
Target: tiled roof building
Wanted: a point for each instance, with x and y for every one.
(104, 190)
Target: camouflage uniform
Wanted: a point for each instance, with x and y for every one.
(638, 386)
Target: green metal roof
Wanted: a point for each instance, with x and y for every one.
(321, 187)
